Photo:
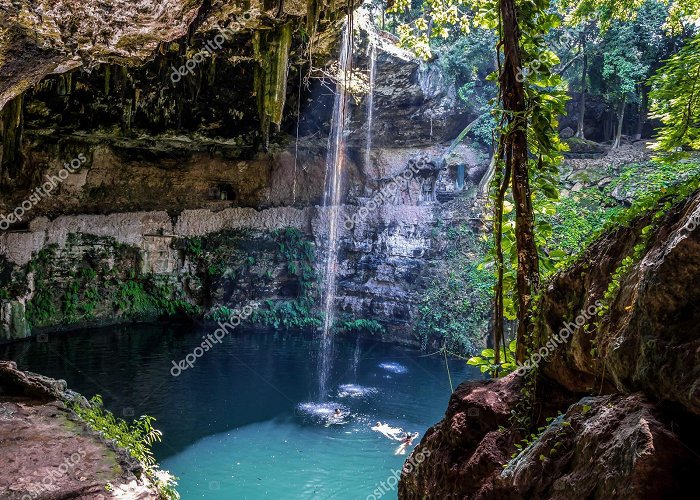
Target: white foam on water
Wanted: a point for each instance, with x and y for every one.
(355, 391)
(393, 367)
(324, 412)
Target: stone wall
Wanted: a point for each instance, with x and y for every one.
(384, 259)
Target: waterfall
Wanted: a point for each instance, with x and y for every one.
(370, 100)
(334, 170)
(356, 357)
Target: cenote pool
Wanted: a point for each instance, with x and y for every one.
(246, 421)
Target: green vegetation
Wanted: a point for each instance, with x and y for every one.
(297, 253)
(287, 315)
(11, 283)
(557, 423)
(136, 438)
(582, 216)
(361, 326)
(94, 278)
(487, 361)
(454, 313)
(616, 47)
(676, 99)
(237, 263)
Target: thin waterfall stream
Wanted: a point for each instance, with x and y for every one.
(334, 169)
(370, 100)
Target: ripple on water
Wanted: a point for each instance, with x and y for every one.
(394, 367)
(355, 391)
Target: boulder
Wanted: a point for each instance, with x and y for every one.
(606, 447)
(566, 133)
(46, 451)
(649, 340)
(622, 392)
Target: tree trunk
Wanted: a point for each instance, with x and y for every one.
(502, 181)
(609, 127)
(620, 119)
(582, 104)
(513, 96)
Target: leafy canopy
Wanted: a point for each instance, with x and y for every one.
(675, 99)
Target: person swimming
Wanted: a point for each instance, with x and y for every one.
(406, 441)
(408, 438)
(336, 417)
(393, 433)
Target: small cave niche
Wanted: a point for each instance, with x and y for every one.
(222, 192)
(14, 227)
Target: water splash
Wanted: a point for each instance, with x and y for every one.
(355, 391)
(370, 101)
(334, 170)
(394, 368)
(324, 413)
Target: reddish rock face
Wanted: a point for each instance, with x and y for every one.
(47, 452)
(633, 433)
(468, 447)
(462, 447)
(604, 447)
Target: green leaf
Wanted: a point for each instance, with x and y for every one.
(476, 361)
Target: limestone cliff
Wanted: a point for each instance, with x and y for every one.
(166, 162)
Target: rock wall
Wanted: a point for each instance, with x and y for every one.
(47, 451)
(385, 260)
(614, 408)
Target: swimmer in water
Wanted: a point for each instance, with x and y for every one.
(337, 417)
(394, 433)
(405, 443)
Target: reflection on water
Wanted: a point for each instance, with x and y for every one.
(244, 421)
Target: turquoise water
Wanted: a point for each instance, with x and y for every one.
(245, 421)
